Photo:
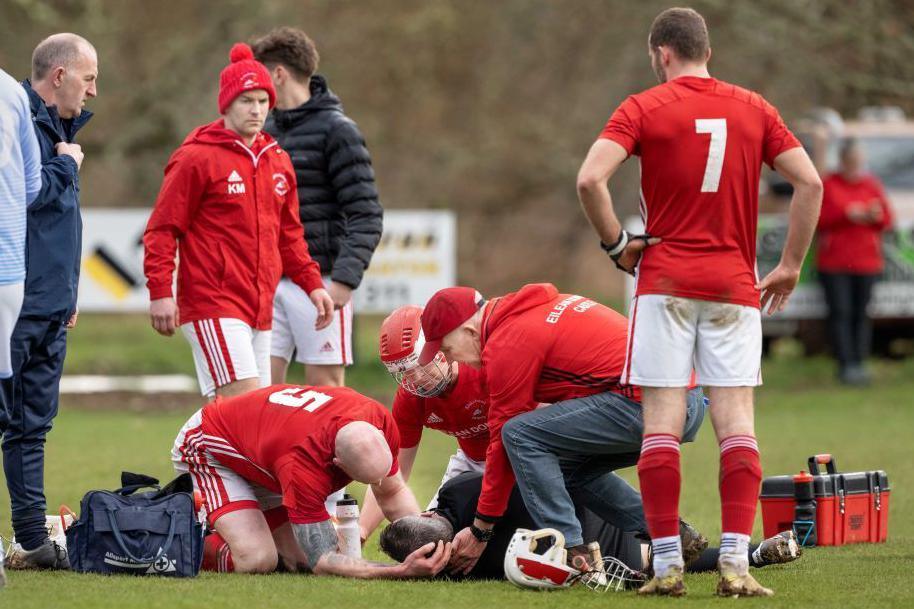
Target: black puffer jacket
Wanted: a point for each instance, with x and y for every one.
(337, 197)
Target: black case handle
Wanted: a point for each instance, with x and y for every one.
(826, 459)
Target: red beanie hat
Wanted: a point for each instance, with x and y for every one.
(243, 74)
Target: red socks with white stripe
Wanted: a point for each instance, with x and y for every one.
(216, 555)
(740, 476)
(660, 477)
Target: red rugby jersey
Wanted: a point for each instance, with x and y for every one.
(702, 143)
(461, 413)
(283, 438)
(542, 346)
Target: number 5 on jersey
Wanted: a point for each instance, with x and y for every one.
(717, 127)
(296, 397)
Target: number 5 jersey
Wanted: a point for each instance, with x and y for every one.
(283, 439)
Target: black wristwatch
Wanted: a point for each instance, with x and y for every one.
(483, 535)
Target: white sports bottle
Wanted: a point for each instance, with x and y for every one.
(347, 527)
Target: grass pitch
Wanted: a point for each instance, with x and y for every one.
(800, 412)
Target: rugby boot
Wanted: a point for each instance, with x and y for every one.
(49, 555)
(781, 548)
(670, 584)
(732, 584)
(693, 542)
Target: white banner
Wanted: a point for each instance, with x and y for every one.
(416, 257)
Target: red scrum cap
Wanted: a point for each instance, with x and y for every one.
(445, 311)
(244, 73)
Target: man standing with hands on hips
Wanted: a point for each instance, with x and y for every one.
(64, 72)
(697, 301)
(229, 199)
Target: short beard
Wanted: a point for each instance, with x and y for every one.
(658, 71)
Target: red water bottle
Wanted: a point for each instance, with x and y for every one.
(804, 517)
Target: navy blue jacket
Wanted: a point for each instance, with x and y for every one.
(54, 234)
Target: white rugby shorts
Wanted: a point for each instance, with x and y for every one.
(459, 463)
(227, 350)
(10, 304)
(669, 336)
(293, 329)
(223, 490)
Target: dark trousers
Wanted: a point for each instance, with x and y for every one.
(30, 400)
(849, 328)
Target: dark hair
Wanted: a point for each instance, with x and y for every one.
(684, 31)
(848, 145)
(405, 535)
(288, 47)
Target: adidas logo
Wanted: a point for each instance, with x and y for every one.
(236, 184)
(327, 348)
(433, 418)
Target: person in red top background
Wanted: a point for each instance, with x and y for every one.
(228, 206)
(539, 346)
(855, 213)
(698, 300)
(445, 396)
(264, 463)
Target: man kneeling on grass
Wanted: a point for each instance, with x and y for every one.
(264, 462)
(457, 507)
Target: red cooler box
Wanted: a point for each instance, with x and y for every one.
(850, 508)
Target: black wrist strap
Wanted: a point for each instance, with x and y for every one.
(489, 519)
(482, 535)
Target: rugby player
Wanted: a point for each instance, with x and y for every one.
(698, 300)
(448, 397)
(539, 346)
(457, 506)
(229, 208)
(264, 463)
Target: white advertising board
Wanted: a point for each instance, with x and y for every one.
(416, 257)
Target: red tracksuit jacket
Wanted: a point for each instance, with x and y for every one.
(232, 213)
(843, 246)
(542, 346)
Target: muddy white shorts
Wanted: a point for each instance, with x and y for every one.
(293, 329)
(459, 463)
(223, 489)
(669, 336)
(228, 350)
(10, 305)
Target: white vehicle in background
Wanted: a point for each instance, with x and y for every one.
(887, 137)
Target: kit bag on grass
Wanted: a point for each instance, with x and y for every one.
(141, 533)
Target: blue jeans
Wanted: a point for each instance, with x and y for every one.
(573, 448)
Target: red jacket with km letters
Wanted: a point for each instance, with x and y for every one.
(542, 346)
(232, 213)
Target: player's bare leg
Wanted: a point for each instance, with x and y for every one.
(278, 368)
(732, 415)
(238, 387)
(658, 470)
(249, 539)
(324, 375)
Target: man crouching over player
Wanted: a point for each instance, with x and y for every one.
(264, 463)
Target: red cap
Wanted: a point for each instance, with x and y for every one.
(244, 73)
(445, 311)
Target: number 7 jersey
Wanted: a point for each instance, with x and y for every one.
(702, 143)
(283, 438)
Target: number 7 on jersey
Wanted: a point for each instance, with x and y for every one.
(717, 127)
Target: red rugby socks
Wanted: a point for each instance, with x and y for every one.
(660, 477)
(216, 554)
(740, 476)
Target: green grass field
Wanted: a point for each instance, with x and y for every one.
(800, 412)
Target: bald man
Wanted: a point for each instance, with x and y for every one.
(63, 75)
(265, 462)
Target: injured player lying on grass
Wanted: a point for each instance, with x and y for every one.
(457, 506)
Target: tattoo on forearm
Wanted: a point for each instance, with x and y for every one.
(316, 540)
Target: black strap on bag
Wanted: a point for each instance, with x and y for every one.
(112, 519)
(131, 483)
